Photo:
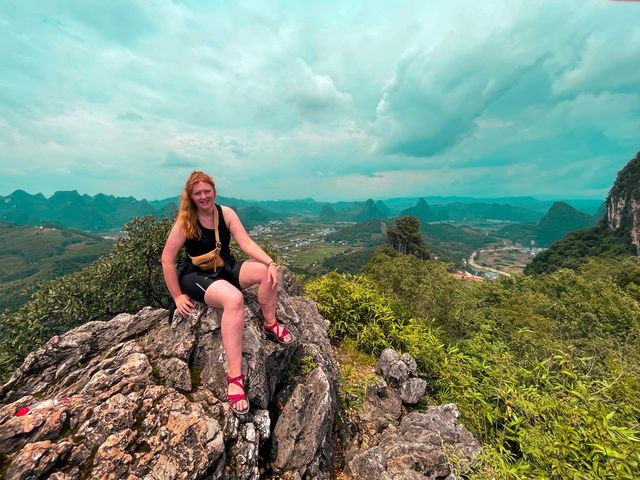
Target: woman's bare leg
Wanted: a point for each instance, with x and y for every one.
(255, 272)
(222, 294)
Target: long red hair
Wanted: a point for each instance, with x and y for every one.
(188, 212)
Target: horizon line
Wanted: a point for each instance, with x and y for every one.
(542, 197)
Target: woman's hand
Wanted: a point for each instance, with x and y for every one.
(272, 275)
(183, 304)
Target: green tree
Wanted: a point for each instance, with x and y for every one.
(422, 288)
(405, 238)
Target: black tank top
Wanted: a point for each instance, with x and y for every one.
(207, 241)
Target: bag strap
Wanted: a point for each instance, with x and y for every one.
(215, 225)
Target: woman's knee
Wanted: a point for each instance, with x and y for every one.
(228, 297)
(261, 272)
(252, 273)
(234, 300)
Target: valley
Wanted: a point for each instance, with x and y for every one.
(311, 237)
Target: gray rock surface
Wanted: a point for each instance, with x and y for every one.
(386, 440)
(413, 390)
(146, 399)
(623, 203)
(392, 367)
(400, 371)
(426, 445)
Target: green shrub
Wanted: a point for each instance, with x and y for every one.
(544, 370)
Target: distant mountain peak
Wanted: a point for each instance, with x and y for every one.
(561, 219)
(327, 212)
(561, 206)
(66, 194)
(421, 210)
(369, 211)
(22, 195)
(384, 209)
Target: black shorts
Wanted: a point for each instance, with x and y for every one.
(195, 282)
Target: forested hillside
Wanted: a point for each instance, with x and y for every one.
(616, 236)
(545, 370)
(30, 256)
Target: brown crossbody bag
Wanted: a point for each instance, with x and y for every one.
(211, 260)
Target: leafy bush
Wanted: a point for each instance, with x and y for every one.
(544, 370)
(422, 289)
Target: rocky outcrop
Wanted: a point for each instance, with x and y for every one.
(388, 441)
(425, 445)
(401, 371)
(623, 202)
(145, 400)
(617, 236)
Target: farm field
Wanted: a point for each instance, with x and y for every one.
(511, 260)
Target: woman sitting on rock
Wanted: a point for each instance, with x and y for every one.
(213, 275)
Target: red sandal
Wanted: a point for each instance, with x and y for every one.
(234, 398)
(273, 329)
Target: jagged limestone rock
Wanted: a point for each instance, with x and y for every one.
(146, 399)
(400, 371)
(427, 445)
(623, 202)
(386, 440)
(392, 368)
(413, 390)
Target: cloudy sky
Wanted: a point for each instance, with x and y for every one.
(336, 100)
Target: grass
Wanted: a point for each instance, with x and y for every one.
(305, 257)
(356, 374)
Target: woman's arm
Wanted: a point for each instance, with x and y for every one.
(171, 248)
(247, 245)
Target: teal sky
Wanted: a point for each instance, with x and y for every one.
(336, 100)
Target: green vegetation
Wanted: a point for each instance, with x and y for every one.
(545, 370)
(521, 233)
(452, 243)
(30, 256)
(347, 262)
(301, 365)
(370, 233)
(405, 238)
(307, 258)
(576, 248)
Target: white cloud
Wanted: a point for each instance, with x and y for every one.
(317, 97)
